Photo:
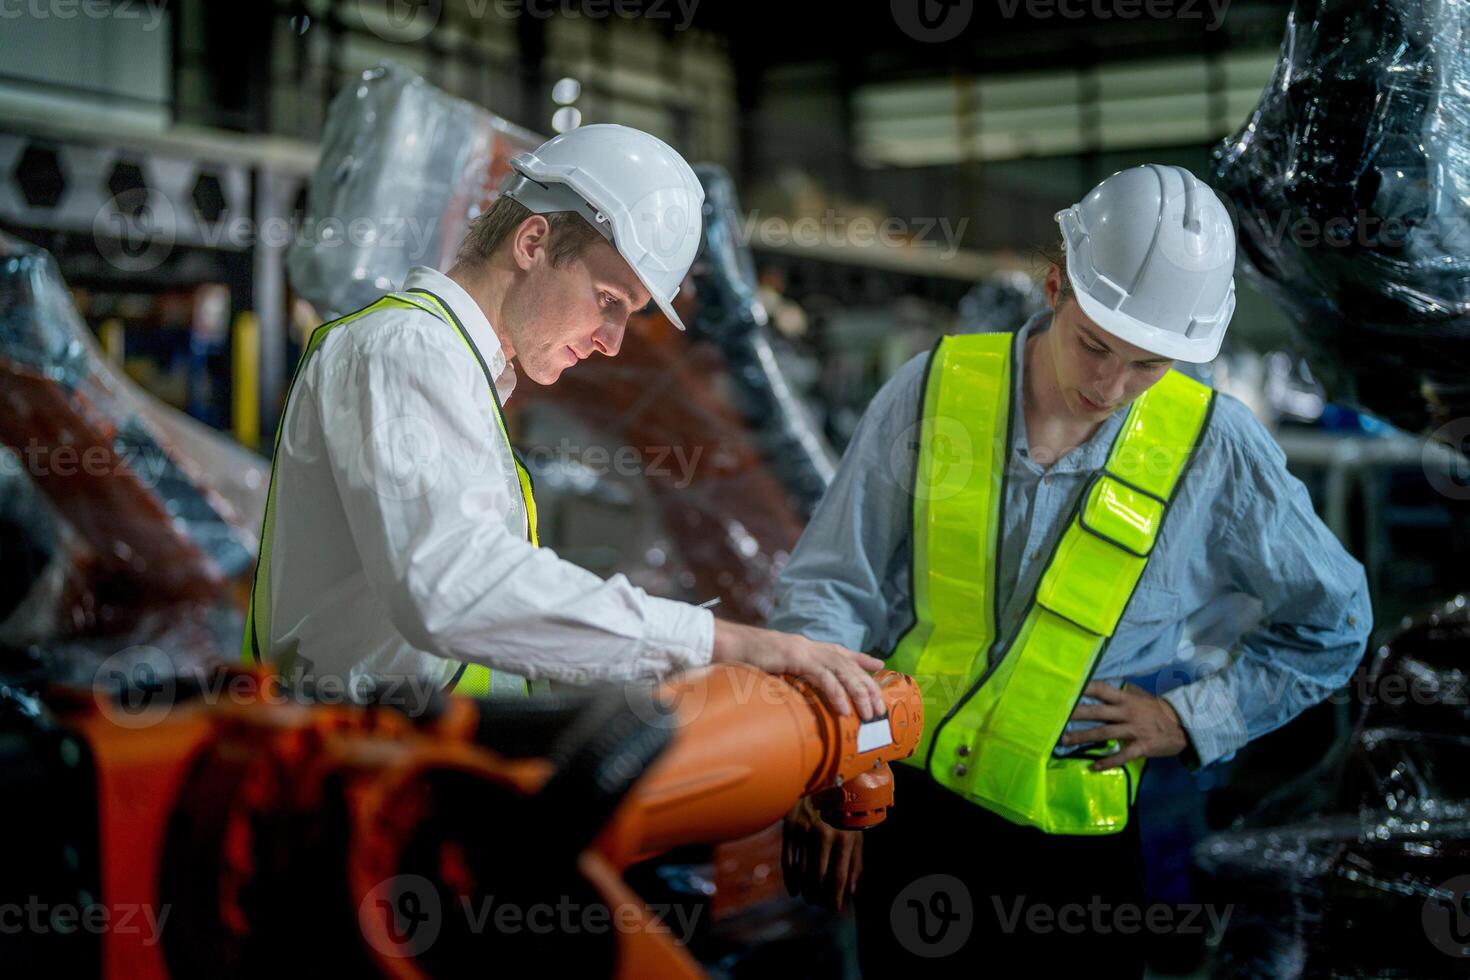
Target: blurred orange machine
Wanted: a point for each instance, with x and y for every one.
(263, 831)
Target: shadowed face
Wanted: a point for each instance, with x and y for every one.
(558, 314)
(1096, 372)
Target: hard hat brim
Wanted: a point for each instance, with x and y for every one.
(666, 308)
(1163, 343)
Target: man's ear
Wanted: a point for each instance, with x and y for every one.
(528, 245)
(1053, 285)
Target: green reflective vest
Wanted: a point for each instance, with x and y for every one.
(996, 710)
(474, 680)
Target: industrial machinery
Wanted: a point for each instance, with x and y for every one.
(1350, 191)
(230, 825)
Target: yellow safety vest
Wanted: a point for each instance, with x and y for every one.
(998, 709)
(474, 680)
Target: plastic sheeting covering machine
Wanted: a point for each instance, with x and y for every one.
(1350, 182)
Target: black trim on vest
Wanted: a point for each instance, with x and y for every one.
(995, 572)
(914, 496)
(1199, 440)
(1075, 514)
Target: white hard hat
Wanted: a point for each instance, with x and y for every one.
(1151, 258)
(633, 187)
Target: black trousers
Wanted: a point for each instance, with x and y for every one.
(950, 889)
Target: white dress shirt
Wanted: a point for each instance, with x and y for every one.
(400, 534)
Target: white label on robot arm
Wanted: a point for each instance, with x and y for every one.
(874, 734)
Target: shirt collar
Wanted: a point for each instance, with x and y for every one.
(1093, 453)
(473, 319)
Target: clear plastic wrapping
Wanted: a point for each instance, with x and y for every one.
(1341, 872)
(403, 169)
(1351, 187)
(121, 521)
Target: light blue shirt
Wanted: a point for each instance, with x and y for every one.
(1241, 548)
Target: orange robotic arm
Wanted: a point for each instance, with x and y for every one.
(747, 745)
(250, 818)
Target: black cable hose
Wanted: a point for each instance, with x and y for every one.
(601, 756)
(519, 728)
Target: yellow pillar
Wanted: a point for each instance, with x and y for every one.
(245, 368)
(112, 334)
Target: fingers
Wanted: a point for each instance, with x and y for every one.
(791, 835)
(1104, 692)
(824, 854)
(1099, 712)
(816, 863)
(832, 689)
(864, 690)
(867, 662)
(1130, 752)
(837, 889)
(839, 674)
(1101, 733)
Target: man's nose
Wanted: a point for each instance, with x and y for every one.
(608, 339)
(1110, 385)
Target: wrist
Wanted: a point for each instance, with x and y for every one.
(1186, 744)
(728, 641)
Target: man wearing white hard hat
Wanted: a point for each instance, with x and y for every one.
(1024, 521)
(400, 530)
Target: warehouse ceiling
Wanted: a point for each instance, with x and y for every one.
(887, 40)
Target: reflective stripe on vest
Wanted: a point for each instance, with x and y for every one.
(1000, 709)
(474, 680)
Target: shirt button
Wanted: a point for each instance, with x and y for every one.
(1352, 621)
(1036, 555)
